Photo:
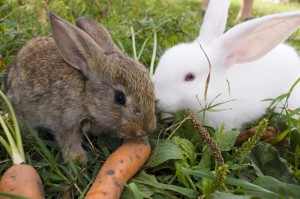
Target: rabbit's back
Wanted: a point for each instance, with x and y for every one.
(268, 76)
(252, 83)
(41, 83)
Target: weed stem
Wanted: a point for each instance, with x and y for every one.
(211, 142)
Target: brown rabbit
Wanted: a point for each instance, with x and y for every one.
(80, 81)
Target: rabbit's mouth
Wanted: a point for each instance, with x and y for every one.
(136, 128)
(133, 133)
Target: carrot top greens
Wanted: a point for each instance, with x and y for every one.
(13, 145)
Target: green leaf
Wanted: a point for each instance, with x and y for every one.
(146, 190)
(181, 177)
(151, 181)
(148, 185)
(12, 196)
(165, 150)
(281, 188)
(248, 187)
(223, 195)
(205, 162)
(295, 137)
(227, 140)
(267, 158)
(188, 149)
(137, 194)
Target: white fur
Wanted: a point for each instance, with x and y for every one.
(248, 60)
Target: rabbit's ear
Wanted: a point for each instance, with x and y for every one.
(97, 32)
(253, 39)
(75, 46)
(214, 21)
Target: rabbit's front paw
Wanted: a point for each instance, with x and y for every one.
(75, 153)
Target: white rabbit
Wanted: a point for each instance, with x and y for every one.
(248, 65)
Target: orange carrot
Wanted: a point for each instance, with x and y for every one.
(23, 180)
(120, 166)
(20, 179)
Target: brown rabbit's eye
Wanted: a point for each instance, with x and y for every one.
(120, 97)
(189, 77)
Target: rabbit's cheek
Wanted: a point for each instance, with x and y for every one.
(168, 104)
(152, 124)
(160, 98)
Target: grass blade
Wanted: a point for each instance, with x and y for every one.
(143, 47)
(133, 43)
(153, 54)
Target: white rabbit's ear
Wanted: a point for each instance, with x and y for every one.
(76, 46)
(253, 39)
(214, 22)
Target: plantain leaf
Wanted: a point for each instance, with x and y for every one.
(205, 162)
(250, 188)
(146, 191)
(165, 150)
(227, 140)
(151, 188)
(223, 195)
(12, 196)
(268, 160)
(137, 194)
(188, 149)
(151, 181)
(286, 190)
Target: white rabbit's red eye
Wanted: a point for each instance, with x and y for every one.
(189, 77)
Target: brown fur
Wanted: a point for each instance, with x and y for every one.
(69, 82)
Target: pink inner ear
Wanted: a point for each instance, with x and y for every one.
(253, 39)
(189, 77)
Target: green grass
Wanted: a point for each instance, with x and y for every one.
(182, 165)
